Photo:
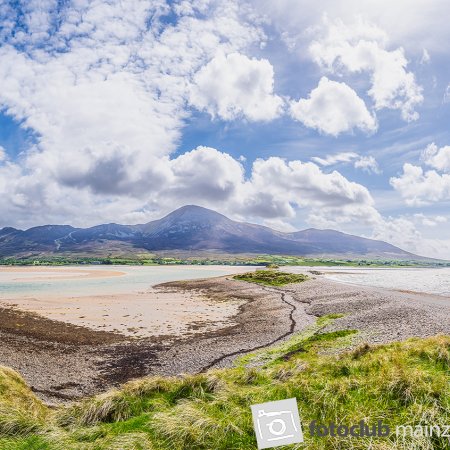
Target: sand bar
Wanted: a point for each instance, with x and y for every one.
(61, 273)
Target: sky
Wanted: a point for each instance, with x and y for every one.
(291, 114)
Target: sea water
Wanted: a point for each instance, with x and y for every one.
(68, 281)
(427, 280)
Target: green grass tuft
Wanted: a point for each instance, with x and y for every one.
(271, 277)
(21, 412)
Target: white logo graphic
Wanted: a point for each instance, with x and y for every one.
(277, 423)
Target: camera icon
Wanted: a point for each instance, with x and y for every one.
(277, 423)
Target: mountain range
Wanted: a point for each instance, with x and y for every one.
(189, 229)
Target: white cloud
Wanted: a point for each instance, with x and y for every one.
(361, 47)
(418, 17)
(331, 160)
(429, 221)
(204, 174)
(368, 164)
(234, 86)
(365, 163)
(276, 186)
(418, 187)
(438, 158)
(2, 154)
(333, 108)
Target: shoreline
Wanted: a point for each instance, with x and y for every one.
(63, 362)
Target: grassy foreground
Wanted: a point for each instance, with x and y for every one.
(271, 277)
(401, 383)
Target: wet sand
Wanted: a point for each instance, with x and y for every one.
(64, 361)
(49, 273)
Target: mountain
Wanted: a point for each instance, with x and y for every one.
(190, 228)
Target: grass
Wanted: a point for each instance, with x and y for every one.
(400, 383)
(20, 411)
(271, 277)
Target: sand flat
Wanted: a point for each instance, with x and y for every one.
(47, 274)
(135, 310)
(152, 313)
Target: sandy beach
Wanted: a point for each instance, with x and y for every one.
(225, 318)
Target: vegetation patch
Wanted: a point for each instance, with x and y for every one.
(404, 383)
(271, 277)
(20, 411)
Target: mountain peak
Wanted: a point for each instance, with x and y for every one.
(195, 213)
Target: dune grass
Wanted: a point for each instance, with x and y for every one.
(400, 383)
(271, 277)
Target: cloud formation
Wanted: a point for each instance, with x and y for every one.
(366, 163)
(333, 108)
(107, 88)
(420, 187)
(234, 86)
(362, 47)
(438, 158)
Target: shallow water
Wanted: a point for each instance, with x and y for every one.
(431, 281)
(76, 281)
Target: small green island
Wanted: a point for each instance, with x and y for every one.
(271, 277)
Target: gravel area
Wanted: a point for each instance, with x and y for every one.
(380, 315)
(63, 362)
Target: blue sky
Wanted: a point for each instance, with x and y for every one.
(291, 114)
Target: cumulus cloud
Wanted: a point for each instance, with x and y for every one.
(234, 86)
(277, 186)
(418, 186)
(362, 47)
(333, 108)
(438, 158)
(207, 173)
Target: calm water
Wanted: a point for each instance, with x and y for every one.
(36, 281)
(432, 281)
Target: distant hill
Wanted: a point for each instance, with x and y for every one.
(190, 228)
